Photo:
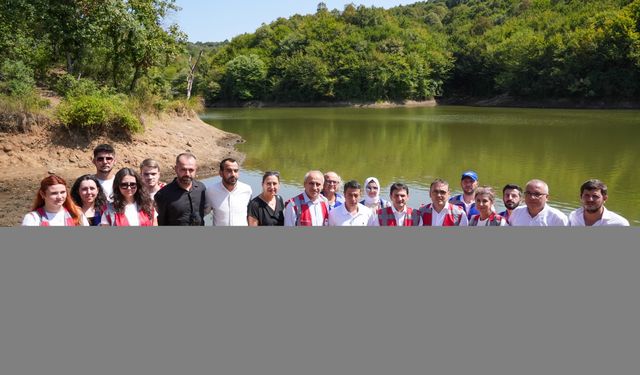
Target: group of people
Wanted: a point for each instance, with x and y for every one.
(131, 198)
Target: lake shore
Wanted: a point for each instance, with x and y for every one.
(566, 103)
(26, 158)
(497, 101)
(322, 104)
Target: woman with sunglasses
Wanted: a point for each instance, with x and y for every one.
(372, 198)
(267, 209)
(87, 193)
(53, 206)
(131, 205)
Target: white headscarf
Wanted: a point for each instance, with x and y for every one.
(368, 201)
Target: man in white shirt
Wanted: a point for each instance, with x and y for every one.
(593, 194)
(536, 212)
(399, 214)
(310, 208)
(352, 213)
(104, 158)
(440, 212)
(229, 198)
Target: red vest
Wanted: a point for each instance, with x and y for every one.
(303, 215)
(450, 220)
(121, 219)
(44, 221)
(386, 218)
(494, 220)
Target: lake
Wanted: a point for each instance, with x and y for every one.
(563, 147)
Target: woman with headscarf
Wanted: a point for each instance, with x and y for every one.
(372, 198)
(53, 206)
(131, 205)
(87, 193)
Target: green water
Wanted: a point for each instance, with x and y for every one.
(415, 145)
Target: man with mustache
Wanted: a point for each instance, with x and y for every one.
(182, 202)
(229, 198)
(536, 212)
(511, 196)
(309, 208)
(593, 194)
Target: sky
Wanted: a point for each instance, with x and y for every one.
(216, 20)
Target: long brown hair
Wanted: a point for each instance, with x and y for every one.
(141, 196)
(68, 202)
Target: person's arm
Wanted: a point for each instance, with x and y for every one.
(252, 219)
(464, 221)
(160, 208)
(289, 215)
(373, 219)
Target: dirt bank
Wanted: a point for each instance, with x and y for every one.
(387, 104)
(26, 158)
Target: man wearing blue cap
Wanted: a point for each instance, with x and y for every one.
(466, 200)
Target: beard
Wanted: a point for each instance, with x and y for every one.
(186, 180)
(592, 209)
(511, 204)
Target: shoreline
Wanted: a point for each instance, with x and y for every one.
(26, 158)
(497, 101)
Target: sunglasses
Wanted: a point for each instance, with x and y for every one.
(128, 185)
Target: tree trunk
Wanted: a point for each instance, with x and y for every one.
(191, 75)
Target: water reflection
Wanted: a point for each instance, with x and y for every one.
(415, 145)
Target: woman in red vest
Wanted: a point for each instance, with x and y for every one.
(131, 205)
(53, 206)
(485, 197)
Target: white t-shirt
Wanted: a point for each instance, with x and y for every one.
(130, 212)
(609, 218)
(56, 219)
(363, 216)
(229, 208)
(107, 186)
(485, 222)
(548, 217)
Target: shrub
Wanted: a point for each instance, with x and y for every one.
(68, 86)
(16, 79)
(96, 114)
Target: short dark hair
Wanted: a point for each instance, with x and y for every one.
(398, 186)
(103, 148)
(269, 174)
(512, 187)
(187, 154)
(226, 160)
(594, 184)
(438, 181)
(352, 184)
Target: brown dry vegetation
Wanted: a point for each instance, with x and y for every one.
(26, 158)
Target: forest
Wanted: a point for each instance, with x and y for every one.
(118, 54)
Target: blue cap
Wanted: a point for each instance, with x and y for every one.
(471, 174)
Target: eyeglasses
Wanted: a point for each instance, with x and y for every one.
(534, 195)
(104, 158)
(128, 185)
